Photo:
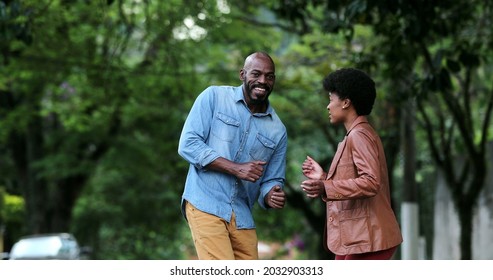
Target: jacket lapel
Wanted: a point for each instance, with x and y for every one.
(342, 146)
(337, 157)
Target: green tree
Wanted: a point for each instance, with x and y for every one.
(447, 44)
(11, 218)
(93, 97)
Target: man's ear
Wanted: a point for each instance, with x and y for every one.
(242, 74)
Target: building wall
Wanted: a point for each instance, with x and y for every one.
(446, 223)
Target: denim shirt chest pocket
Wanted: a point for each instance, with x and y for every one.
(225, 127)
(262, 148)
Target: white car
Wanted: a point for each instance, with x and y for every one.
(56, 246)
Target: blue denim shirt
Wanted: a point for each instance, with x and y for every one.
(221, 125)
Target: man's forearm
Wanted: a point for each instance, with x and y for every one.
(223, 165)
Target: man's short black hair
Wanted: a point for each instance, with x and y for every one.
(354, 85)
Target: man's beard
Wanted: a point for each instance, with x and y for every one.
(255, 99)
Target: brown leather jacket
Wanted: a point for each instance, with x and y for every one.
(359, 214)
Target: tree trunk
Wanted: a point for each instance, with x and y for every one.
(65, 196)
(34, 188)
(410, 209)
(466, 219)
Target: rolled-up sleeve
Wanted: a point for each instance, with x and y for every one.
(192, 145)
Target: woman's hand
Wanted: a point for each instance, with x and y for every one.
(313, 188)
(312, 170)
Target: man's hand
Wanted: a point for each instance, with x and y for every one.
(250, 171)
(275, 198)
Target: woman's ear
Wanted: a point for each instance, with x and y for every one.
(346, 103)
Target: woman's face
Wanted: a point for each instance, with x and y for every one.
(337, 108)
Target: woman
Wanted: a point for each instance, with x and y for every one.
(360, 221)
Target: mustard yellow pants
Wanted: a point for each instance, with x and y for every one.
(216, 239)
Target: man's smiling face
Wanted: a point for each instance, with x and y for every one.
(258, 78)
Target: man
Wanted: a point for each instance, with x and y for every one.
(236, 146)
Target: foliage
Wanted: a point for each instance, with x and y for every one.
(437, 52)
(11, 216)
(93, 95)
